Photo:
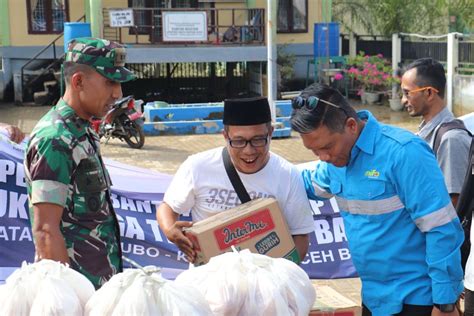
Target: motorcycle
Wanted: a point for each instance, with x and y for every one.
(122, 121)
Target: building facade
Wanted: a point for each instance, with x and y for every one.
(205, 49)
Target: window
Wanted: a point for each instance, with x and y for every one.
(292, 16)
(184, 4)
(47, 16)
(141, 17)
(147, 14)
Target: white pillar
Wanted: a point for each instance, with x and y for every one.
(340, 45)
(271, 56)
(95, 7)
(452, 64)
(352, 45)
(396, 58)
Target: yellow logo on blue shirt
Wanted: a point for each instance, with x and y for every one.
(372, 173)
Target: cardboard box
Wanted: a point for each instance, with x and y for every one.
(257, 225)
(329, 302)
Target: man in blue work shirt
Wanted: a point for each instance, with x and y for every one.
(403, 232)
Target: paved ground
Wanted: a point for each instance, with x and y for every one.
(166, 153)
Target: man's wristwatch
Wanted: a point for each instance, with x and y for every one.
(445, 308)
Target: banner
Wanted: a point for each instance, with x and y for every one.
(136, 194)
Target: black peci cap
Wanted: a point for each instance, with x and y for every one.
(248, 111)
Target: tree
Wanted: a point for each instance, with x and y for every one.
(385, 17)
(353, 15)
(461, 15)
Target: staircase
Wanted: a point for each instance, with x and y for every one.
(40, 80)
(50, 94)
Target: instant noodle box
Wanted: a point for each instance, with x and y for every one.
(257, 225)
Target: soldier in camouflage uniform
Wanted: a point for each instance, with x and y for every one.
(68, 186)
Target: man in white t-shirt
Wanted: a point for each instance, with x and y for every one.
(201, 183)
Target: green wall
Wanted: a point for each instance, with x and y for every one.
(4, 23)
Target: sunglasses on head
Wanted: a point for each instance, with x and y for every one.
(310, 102)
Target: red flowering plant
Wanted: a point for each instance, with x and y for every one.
(373, 73)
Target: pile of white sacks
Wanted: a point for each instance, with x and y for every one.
(244, 283)
(237, 283)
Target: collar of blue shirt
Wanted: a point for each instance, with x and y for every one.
(366, 140)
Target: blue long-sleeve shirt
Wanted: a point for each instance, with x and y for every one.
(403, 232)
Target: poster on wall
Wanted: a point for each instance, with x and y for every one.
(184, 26)
(121, 17)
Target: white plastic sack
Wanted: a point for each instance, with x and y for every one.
(107, 297)
(144, 292)
(137, 299)
(15, 295)
(54, 282)
(176, 299)
(82, 287)
(13, 300)
(243, 283)
(55, 298)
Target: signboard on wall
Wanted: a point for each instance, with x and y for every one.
(121, 17)
(184, 26)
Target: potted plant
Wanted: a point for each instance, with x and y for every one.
(394, 93)
(395, 99)
(373, 73)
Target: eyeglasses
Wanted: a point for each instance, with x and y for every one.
(407, 93)
(310, 102)
(242, 143)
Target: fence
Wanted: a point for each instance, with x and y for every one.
(181, 82)
(413, 48)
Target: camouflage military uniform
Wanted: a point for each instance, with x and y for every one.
(64, 167)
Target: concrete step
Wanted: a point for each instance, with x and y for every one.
(50, 86)
(50, 83)
(57, 75)
(41, 97)
(33, 72)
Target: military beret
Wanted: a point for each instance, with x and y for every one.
(106, 57)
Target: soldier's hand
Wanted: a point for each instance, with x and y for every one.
(15, 133)
(176, 235)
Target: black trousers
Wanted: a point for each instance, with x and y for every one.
(468, 303)
(408, 310)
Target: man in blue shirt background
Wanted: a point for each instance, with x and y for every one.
(403, 231)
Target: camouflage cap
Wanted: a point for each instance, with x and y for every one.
(106, 57)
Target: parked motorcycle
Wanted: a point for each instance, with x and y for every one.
(122, 121)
